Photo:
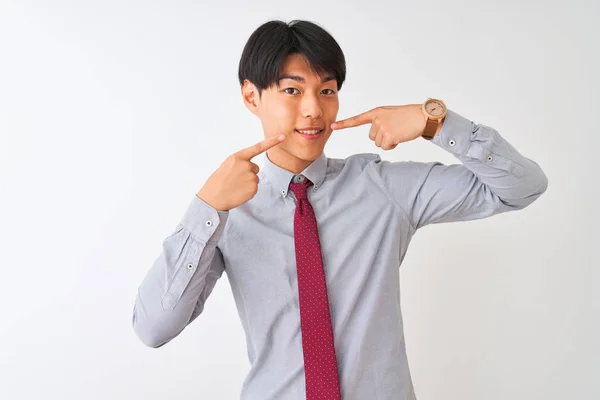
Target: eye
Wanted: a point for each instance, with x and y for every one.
(331, 91)
(288, 89)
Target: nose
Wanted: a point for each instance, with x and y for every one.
(311, 107)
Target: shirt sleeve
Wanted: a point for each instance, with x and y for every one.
(493, 177)
(174, 290)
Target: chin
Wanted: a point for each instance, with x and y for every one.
(308, 154)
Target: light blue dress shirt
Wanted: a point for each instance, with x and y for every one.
(367, 211)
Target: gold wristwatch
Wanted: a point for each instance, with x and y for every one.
(434, 110)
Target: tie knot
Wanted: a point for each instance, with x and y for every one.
(300, 189)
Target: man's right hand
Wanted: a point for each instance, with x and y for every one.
(236, 181)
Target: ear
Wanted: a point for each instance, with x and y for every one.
(250, 96)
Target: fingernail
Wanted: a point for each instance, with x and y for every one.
(281, 137)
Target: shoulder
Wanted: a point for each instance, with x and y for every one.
(364, 161)
(358, 161)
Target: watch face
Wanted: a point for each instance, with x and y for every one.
(435, 108)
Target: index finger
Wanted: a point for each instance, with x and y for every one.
(250, 152)
(357, 120)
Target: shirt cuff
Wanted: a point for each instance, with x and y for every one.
(204, 222)
(470, 141)
(456, 134)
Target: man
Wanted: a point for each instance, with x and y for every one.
(312, 245)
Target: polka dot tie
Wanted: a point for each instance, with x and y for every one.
(320, 364)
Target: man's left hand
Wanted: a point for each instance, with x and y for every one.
(390, 125)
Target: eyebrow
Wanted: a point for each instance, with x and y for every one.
(302, 80)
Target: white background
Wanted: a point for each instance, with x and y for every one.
(113, 114)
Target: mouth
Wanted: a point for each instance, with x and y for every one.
(311, 133)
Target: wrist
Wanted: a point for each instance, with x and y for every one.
(439, 128)
(209, 200)
(434, 113)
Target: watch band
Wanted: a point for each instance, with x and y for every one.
(432, 123)
(430, 127)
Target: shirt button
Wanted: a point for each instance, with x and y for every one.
(283, 191)
(490, 158)
(208, 223)
(452, 142)
(300, 179)
(190, 266)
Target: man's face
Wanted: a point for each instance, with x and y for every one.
(304, 102)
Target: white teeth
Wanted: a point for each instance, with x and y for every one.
(311, 132)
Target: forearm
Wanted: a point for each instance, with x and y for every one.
(514, 178)
(174, 290)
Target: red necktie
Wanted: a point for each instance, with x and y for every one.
(320, 364)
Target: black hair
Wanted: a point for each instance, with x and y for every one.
(271, 43)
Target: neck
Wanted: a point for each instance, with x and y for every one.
(287, 161)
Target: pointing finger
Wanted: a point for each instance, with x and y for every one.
(357, 120)
(260, 147)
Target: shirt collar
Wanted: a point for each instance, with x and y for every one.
(281, 178)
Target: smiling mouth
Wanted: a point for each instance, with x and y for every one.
(310, 132)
